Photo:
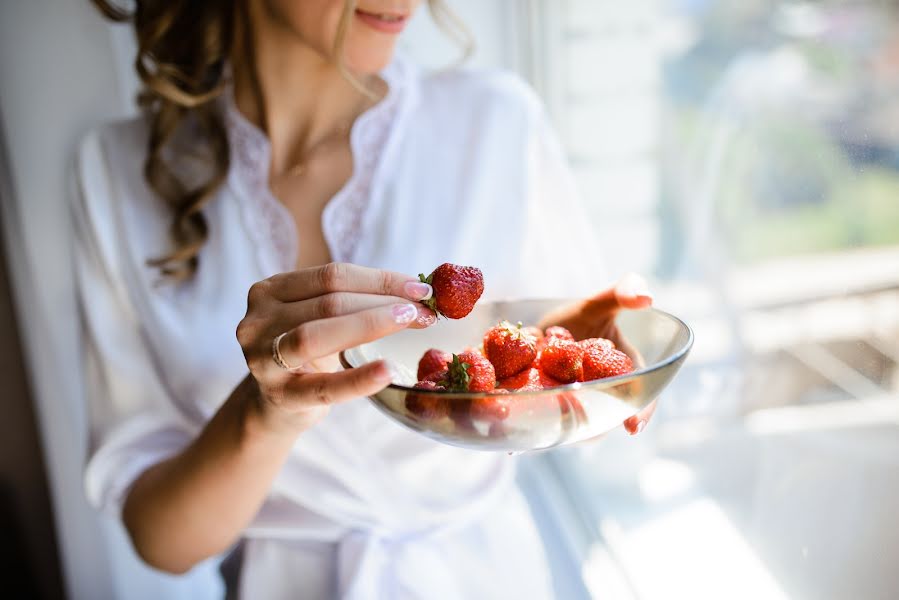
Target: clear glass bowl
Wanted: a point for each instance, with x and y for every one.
(535, 420)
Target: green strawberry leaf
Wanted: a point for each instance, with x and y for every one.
(457, 375)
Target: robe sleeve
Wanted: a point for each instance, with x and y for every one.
(134, 423)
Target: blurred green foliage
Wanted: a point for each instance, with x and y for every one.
(783, 172)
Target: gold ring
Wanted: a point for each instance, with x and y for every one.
(279, 358)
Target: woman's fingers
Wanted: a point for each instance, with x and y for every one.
(632, 292)
(595, 315)
(344, 277)
(337, 304)
(637, 423)
(324, 389)
(321, 337)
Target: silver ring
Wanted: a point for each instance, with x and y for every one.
(279, 358)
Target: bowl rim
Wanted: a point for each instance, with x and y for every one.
(568, 387)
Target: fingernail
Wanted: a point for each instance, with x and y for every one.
(416, 290)
(404, 313)
(641, 425)
(426, 318)
(638, 290)
(635, 286)
(644, 297)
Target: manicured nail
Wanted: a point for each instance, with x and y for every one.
(416, 290)
(638, 290)
(426, 318)
(635, 286)
(641, 425)
(404, 313)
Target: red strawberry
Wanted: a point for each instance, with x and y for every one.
(470, 372)
(563, 359)
(433, 360)
(594, 351)
(558, 332)
(602, 361)
(552, 335)
(509, 349)
(429, 385)
(491, 408)
(456, 289)
(529, 380)
(534, 332)
(438, 377)
(460, 409)
(600, 344)
(429, 407)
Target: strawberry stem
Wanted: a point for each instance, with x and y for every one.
(514, 331)
(457, 377)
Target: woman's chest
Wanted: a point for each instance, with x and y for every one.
(305, 191)
(409, 221)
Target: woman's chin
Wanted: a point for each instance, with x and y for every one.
(368, 61)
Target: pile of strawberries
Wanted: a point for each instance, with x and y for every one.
(511, 358)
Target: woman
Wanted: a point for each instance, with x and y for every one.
(288, 171)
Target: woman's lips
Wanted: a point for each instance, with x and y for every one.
(383, 22)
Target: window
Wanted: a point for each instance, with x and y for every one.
(746, 156)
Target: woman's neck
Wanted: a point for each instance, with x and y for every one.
(291, 92)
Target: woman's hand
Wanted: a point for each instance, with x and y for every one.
(321, 311)
(195, 503)
(595, 317)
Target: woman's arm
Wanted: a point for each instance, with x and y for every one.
(195, 504)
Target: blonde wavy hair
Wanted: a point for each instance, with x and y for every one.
(183, 49)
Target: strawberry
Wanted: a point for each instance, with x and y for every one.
(491, 408)
(456, 289)
(429, 407)
(509, 349)
(558, 332)
(532, 380)
(429, 385)
(553, 334)
(563, 359)
(470, 372)
(529, 380)
(603, 360)
(595, 349)
(599, 344)
(534, 332)
(433, 360)
(460, 409)
(438, 377)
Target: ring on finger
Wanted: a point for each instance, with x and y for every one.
(279, 358)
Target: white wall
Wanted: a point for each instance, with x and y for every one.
(57, 79)
(62, 70)
(604, 72)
